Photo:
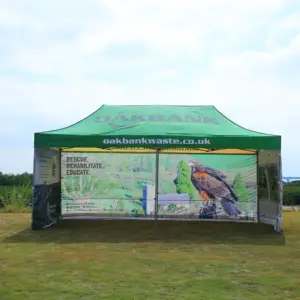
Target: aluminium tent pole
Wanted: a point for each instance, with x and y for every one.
(268, 182)
(268, 185)
(280, 198)
(33, 188)
(156, 189)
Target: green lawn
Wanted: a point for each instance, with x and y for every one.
(124, 260)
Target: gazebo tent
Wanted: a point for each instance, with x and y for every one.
(157, 131)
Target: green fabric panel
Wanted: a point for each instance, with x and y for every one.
(182, 126)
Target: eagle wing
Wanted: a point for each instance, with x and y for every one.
(202, 181)
(197, 180)
(213, 172)
(213, 184)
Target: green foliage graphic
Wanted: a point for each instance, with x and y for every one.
(183, 180)
(240, 188)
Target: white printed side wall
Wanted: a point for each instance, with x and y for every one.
(269, 188)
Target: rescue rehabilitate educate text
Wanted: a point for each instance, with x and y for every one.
(81, 166)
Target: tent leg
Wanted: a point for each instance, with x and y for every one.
(156, 190)
(280, 196)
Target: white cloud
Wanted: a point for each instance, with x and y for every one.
(56, 65)
(62, 103)
(16, 20)
(292, 21)
(167, 73)
(164, 39)
(174, 26)
(252, 61)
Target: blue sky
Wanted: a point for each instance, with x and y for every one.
(61, 60)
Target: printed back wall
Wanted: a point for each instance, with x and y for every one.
(190, 186)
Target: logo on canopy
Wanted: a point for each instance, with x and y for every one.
(121, 120)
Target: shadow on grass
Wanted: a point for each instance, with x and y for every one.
(132, 231)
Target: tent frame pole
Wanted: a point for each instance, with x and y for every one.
(156, 189)
(266, 167)
(280, 198)
(33, 186)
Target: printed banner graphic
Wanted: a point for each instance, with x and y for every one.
(46, 167)
(46, 187)
(190, 185)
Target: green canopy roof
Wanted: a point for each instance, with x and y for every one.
(157, 126)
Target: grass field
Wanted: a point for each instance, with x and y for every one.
(125, 260)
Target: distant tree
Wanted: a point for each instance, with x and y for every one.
(183, 180)
(292, 183)
(291, 194)
(240, 188)
(16, 179)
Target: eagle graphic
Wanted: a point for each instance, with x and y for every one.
(212, 184)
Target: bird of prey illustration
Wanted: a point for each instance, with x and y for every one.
(212, 184)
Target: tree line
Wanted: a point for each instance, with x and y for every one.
(16, 179)
(291, 191)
